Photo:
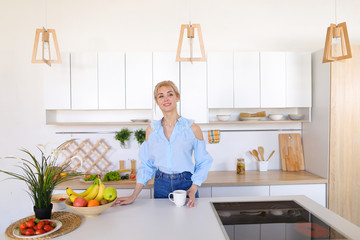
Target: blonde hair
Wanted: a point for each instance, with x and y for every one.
(166, 84)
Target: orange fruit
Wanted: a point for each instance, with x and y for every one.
(93, 203)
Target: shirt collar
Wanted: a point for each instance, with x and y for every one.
(181, 124)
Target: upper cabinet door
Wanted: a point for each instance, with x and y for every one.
(220, 79)
(164, 68)
(57, 84)
(298, 79)
(139, 80)
(273, 80)
(111, 80)
(246, 80)
(84, 89)
(193, 91)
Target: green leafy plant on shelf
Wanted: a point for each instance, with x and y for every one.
(41, 175)
(140, 135)
(123, 136)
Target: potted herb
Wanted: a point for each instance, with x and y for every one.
(41, 176)
(123, 136)
(140, 135)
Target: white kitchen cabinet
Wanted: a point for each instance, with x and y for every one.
(194, 91)
(111, 80)
(298, 79)
(293, 234)
(316, 192)
(238, 191)
(144, 194)
(273, 80)
(273, 231)
(230, 231)
(246, 80)
(220, 67)
(84, 81)
(248, 232)
(57, 84)
(139, 80)
(204, 191)
(164, 68)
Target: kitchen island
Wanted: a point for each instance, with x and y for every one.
(161, 219)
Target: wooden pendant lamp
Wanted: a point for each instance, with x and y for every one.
(190, 29)
(337, 32)
(43, 54)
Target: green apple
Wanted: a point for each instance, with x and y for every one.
(110, 193)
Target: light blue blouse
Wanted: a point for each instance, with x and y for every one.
(174, 155)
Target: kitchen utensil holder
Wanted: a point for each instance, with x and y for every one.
(263, 166)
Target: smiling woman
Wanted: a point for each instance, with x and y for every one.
(168, 149)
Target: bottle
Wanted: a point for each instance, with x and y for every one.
(240, 167)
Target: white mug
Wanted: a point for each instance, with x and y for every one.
(179, 197)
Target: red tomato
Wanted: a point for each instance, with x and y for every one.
(30, 224)
(132, 176)
(29, 232)
(40, 225)
(48, 228)
(45, 222)
(87, 176)
(35, 227)
(22, 232)
(23, 226)
(40, 231)
(52, 224)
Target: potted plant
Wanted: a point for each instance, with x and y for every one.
(41, 176)
(123, 136)
(140, 135)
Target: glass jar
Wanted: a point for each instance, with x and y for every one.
(240, 166)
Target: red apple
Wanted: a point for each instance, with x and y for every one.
(80, 202)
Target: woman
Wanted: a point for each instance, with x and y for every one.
(167, 151)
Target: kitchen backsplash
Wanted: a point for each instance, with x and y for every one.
(233, 144)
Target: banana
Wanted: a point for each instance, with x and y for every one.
(69, 191)
(94, 192)
(100, 194)
(72, 197)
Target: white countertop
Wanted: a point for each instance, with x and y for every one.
(161, 219)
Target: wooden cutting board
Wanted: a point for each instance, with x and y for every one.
(291, 152)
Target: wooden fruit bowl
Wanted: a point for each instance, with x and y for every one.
(88, 211)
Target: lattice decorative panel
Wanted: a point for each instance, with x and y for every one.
(91, 155)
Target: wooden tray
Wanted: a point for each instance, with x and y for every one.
(70, 221)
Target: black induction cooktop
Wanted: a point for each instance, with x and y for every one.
(272, 220)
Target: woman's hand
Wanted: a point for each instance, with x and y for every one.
(191, 193)
(124, 200)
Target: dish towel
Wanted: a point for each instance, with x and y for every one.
(214, 136)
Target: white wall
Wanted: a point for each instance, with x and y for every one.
(138, 25)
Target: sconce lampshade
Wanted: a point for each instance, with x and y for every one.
(44, 49)
(194, 35)
(340, 51)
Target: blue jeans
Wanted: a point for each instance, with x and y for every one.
(166, 183)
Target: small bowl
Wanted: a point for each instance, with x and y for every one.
(88, 211)
(223, 117)
(296, 116)
(275, 117)
(58, 203)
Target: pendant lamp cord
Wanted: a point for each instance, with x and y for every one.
(335, 13)
(189, 6)
(45, 15)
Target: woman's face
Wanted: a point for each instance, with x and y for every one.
(166, 99)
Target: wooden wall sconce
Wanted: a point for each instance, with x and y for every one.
(190, 29)
(44, 55)
(333, 32)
